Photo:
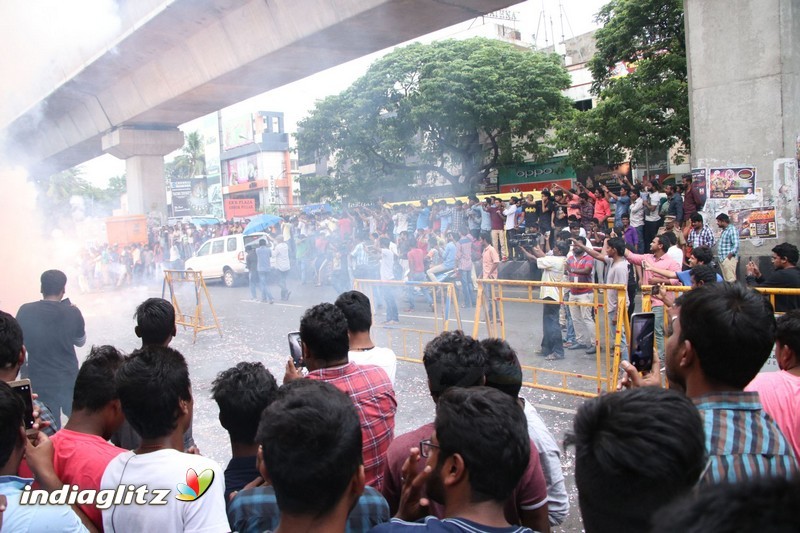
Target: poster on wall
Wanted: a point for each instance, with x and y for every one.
(732, 182)
(699, 182)
(181, 192)
(755, 223)
(785, 191)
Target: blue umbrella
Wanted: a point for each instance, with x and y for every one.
(261, 223)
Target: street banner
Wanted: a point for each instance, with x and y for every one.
(240, 207)
(732, 182)
(699, 182)
(756, 223)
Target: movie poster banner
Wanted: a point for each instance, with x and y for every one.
(732, 182)
(756, 223)
(700, 182)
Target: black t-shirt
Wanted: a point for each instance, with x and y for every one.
(531, 213)
(51, 330)
(240, 472)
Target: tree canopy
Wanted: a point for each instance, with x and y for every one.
(645, 109)
(455, 109)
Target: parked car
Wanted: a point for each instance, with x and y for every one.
(224, 257)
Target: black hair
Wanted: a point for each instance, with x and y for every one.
(625, 215)
(357, 310)
(242, 393)
(155, 320)
(11, 340)
(486, 237)
(562, 247)
(687, 177)
(503, 371)
(703, 254)
(564, 235)
(765, 504)
(724, 217)
(95, 386)
(581, 239)
(323, 329)
(732, 330)
(618, 244)
(696, 217)
(787, 251)
(704, 273)
(647, 443)
(788, 330)
(12, 414)
(453, 359)
(53, 282)
(664, 241)
(311, 441)
(487, 428)
(671, 237)
(151, 383)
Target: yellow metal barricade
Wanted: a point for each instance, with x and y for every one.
(194, 320)
(408, 338)
(491, 312)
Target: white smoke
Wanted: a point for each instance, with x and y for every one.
(45, 42)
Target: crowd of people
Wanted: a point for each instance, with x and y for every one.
(319, 452)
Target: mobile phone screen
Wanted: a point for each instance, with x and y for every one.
(23, 389)
(294, 348)
(643, 328)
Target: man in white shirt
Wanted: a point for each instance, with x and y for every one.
(280, 254)
(553, 270)
(356, 308)
(156, 396)
(510, 212)
(652, 216)
(637, 214)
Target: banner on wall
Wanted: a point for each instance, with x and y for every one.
(755, 223)
(240, 207)
(700, 182)
(732, 182)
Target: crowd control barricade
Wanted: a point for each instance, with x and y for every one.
(187, 289)
(409, 337)
(504, 310)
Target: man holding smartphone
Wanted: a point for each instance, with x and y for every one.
(53, 327)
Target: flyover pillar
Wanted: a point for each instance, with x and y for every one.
(143, 151)
(744, 104)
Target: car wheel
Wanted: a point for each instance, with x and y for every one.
(228, 277)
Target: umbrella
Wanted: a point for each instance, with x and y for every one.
(261, 222)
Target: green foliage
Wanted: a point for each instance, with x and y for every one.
(191, 162)
(645, 110)
(455, 109)
(56, 191)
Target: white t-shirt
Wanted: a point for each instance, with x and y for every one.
(382, 357)
(280, 255)
(511, 216)
(387, 264)
(676, 254)
(655, 199)
(616, 274)
(550, 459)
(637, 213)
(165, 469)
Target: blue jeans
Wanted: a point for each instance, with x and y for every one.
(658, 311)
(623, 343)
(262, 283)
(468, 294)
(551, 340)
(640, 233)
(391, 304)
(253, 284)
(570, 328)
(409, 290)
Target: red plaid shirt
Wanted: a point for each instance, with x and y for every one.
(371, 391)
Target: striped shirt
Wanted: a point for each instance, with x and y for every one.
(742, 441)
(704, 237)
(371, 391)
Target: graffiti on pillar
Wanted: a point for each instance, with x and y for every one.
(785, 191)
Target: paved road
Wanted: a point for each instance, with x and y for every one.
(257, 331)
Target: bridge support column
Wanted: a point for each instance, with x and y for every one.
(143, 151)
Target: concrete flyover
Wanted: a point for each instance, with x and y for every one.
(173, 61)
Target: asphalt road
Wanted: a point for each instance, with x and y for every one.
(254, 331)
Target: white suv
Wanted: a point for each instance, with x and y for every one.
(223, 257)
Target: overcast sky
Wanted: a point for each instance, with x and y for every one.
(296, 99)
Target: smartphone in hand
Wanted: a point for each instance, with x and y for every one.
(643, 329)
(295, 349)
(23, 389)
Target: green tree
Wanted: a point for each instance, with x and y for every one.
(455, 109)
(647, 109)
(191, 161)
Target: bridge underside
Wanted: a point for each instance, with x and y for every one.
(193, 57)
